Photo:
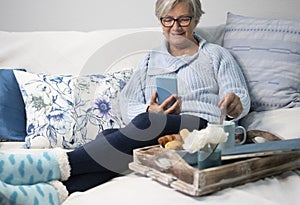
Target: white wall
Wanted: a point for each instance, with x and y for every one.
(215, 10)
(87, 15)
(29, 15)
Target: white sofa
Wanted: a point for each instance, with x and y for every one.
(107, 51)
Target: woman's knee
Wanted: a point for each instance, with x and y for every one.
(141, 121)
(155, 121)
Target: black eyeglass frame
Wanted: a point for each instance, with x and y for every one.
(178, 21)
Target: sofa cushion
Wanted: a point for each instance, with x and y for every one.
(12, 108)
(64, 110)
(268, 51)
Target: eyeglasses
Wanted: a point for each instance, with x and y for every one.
(183, 21)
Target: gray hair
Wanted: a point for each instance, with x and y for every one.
(164, 6)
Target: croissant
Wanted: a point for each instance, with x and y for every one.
(165, 139)
(175, 144)
(174, 138)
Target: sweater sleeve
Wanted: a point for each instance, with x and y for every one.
(229, 76)
(132, 97)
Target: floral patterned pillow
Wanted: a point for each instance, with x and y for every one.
(68, 111)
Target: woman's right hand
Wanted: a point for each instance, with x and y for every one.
(163, 108)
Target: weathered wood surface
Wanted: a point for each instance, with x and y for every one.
(169, 168)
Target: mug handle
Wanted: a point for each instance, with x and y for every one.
(244, 134)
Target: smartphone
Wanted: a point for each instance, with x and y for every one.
(165, 87)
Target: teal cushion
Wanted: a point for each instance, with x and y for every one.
(12, 108)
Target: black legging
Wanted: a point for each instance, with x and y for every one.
(109, 154)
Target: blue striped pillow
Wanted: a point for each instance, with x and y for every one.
(268, 51)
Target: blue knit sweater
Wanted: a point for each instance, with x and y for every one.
(203, 79)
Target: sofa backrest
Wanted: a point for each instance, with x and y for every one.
(69, 52)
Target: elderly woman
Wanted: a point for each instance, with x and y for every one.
(208, 79)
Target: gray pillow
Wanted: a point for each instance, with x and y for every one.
(212, 34)
(268, 51)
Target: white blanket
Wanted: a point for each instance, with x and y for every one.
(135, 189)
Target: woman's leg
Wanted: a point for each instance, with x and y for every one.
(113, 152)
(87, 181)
(109, 154)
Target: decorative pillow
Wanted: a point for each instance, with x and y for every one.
(96, 102)
(12, 108)
(268, 51)
(61, 109)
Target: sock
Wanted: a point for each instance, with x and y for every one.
(17, 169)
(52, 193)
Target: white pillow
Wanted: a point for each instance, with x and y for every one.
(282, 122)
(268, 51)
(63, 110)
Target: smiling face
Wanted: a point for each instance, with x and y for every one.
(180, 37)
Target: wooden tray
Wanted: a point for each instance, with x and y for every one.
(167, 167)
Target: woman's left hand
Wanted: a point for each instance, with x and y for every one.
(164, 108)
(233, 105)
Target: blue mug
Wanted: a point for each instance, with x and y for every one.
(231, 128)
